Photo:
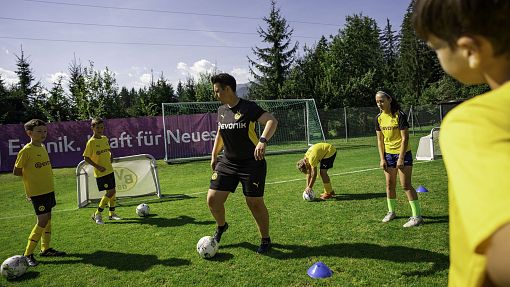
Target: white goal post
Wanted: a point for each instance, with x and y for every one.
(428, 146)
(190, 127)
(135, 175)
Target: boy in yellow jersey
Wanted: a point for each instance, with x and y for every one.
(392, 131)
(322, 155)
(472, 42)
(33, 164)
(97, 153)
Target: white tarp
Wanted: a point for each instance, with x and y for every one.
(134, 176)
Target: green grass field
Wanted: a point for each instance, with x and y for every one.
(345, 233)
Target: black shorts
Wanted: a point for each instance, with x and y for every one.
(106, 182)
(391, 159)
(251, 174)
(327, 163)
(43, 203)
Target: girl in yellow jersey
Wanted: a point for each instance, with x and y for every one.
(392, 131)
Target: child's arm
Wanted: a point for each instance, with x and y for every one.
(498, 256)
(17, 171)
(95, 165)
(380, 147)
(311, 177)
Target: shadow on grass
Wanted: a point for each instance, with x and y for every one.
(436, 219)
(435, 262)
(131, 201)
(119, 261)
(359, 196)
(152, 219)
(27, 276)
(353, 146)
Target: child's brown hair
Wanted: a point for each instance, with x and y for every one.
(96, 121)
(448, 20)
(31, 124)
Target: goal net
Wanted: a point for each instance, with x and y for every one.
(134, 176)
(190, 127)
(428, 146)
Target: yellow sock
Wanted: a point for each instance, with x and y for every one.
(46, 237)
(112, 204)
(415, 207)
(104, 201)
(327, 187)
(33, 239)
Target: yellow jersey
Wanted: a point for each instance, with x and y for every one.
(475, 142)
(390, 126)
(98, 150)
(36, 167)
(318, 152)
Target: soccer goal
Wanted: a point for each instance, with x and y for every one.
(190, 127)
(135, 175)
(428, 146)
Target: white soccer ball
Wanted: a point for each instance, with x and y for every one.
(14, 267)
(143, 210)
(308, 195)
(207, 247)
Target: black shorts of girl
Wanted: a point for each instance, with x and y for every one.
(251, 173)
(43, 203)
(106, 182)
(327, 163)
(391, 159)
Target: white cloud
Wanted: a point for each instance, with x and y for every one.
(6, 50)
(242, 75)
(53, 78)
(145, 79)
(199, 67)
(9, 77)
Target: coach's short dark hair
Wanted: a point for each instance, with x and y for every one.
(31, 124)
(450, 19)
(224, 79)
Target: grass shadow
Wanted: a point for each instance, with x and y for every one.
(29, 275)
(152, 219)
(359, 196)
(120, 261)
(436, 219)
(434, 261)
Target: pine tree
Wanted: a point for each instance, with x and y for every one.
(273, 63)
(78, 90)
(417, 63)
(26, 92)
(389, 41)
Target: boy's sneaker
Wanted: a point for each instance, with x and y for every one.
(51, 252)
(327, 195)
(414, 221)
(265, 246)
(97, 218)
(219, 231)
(31, 260)
(114, 217)
(389, 216)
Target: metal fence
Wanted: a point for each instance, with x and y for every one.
(350, 122)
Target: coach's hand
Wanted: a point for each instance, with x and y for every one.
(214, 161)
(260, 151)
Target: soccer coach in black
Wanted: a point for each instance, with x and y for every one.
(243, 159)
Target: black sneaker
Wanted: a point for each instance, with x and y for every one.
(219, 231)
(51, 252)
(265, 246)
(31, 260)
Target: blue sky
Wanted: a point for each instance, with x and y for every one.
(182, 38)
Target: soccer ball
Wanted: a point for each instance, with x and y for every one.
(308, 195)
(14, 267)
(207, 247)
(143, 210)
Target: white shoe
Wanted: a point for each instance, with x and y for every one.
(97, 218)
(414, 221)
(114, 217)
(389, 216)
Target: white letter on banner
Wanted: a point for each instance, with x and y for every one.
(12, 147)
(176, 138)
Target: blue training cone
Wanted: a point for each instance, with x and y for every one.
(319, 270)
(421, 188)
